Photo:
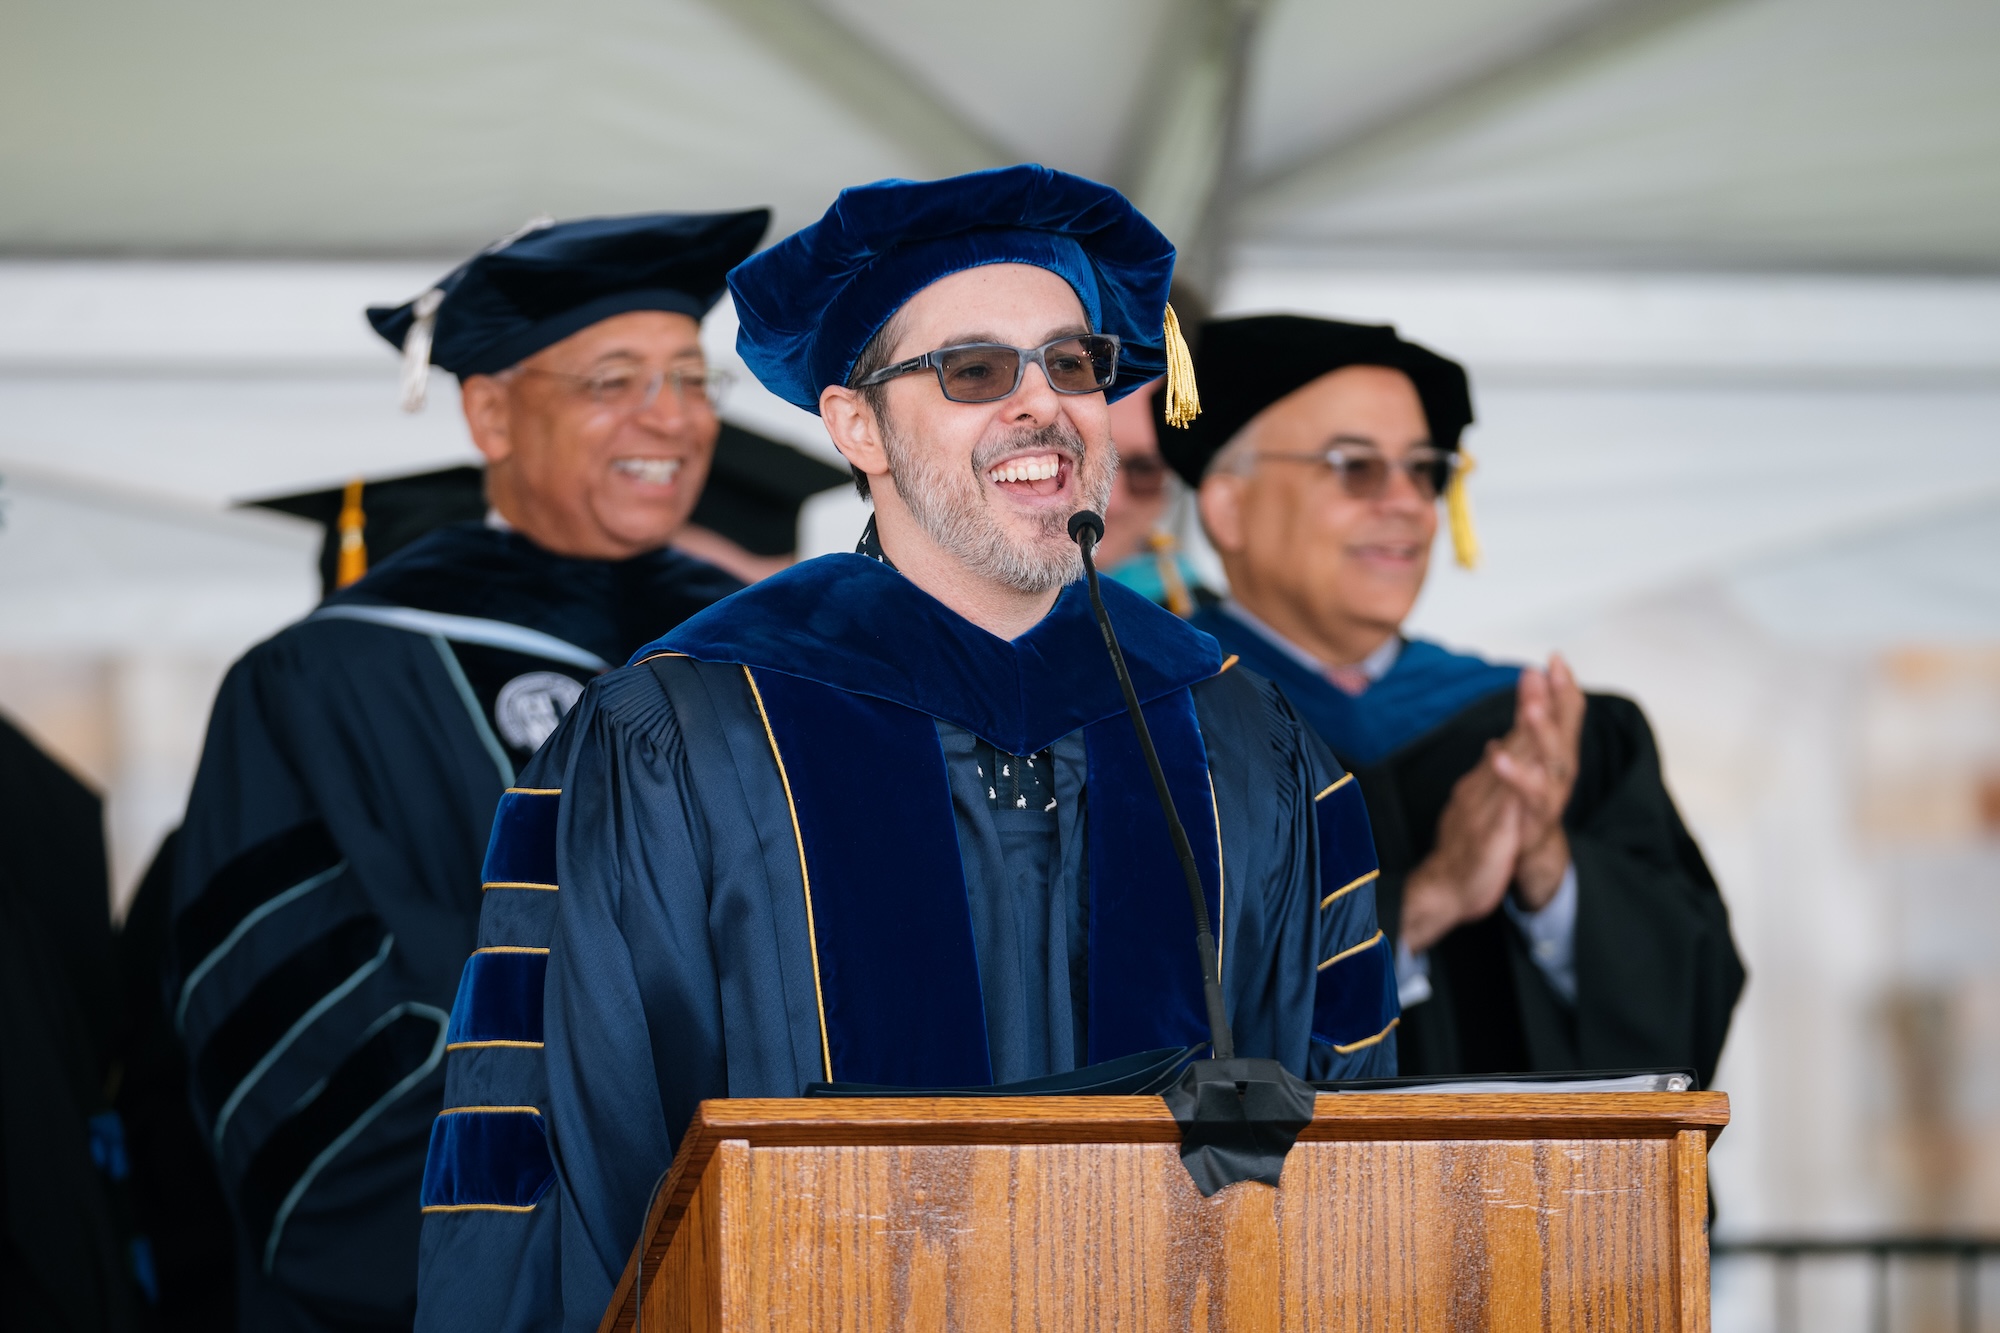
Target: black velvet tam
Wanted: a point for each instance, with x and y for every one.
(512, 299)
(1245, 365)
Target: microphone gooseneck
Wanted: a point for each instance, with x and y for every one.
(1085, 528)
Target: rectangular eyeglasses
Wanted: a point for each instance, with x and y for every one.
(1364, 471)
(989, 372)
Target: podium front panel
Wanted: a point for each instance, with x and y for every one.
(1449, 1213)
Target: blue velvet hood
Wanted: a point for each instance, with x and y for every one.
(851, 623)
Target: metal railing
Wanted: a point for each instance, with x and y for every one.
(1787, 1253)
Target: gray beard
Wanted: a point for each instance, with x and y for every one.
(953, 507)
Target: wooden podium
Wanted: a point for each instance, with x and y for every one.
(1397, 1211)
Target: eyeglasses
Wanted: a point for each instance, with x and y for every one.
(1364, 473)
(632, 391)
(1144, 475)
(988, 372)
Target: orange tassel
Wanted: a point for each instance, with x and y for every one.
(353, 562)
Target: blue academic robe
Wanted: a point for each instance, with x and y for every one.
(1656, 973)
(326, 886)
(760, 858)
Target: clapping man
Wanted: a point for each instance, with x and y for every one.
(1550, 908)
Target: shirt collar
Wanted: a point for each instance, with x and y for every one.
(1374, 666)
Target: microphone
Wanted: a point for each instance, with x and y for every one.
(1085, 529)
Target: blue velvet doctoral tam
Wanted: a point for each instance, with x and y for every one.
(756, 859)
(810, 303)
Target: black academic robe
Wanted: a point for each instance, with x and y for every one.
(775, 851)
(64, 1257)
(326, 889)
(178, 1206)
(1657, 974)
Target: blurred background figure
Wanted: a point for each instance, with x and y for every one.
(1142, 546)
(1549, 908)
(1724, 270)
(70, 1256)
(744, 522)
(186, 1240)
(1138, 549)
(325, 887)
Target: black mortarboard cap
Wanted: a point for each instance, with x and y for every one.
(1245, 365)
(395, 512)
(553, 279)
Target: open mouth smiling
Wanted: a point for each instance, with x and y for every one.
(1388, 553)
(1040, 475)
(651, 471)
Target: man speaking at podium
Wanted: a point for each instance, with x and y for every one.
(883, 818)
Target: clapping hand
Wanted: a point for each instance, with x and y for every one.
(1538, 761)
(1502, 827)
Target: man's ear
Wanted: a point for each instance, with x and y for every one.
(851, 425)
(1220, 501)
(488, 415)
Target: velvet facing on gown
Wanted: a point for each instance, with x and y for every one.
(497, 1157)
(896, 967)
(1354, 995)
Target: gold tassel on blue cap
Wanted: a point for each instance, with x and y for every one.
(1183, 400)
(1458, 512)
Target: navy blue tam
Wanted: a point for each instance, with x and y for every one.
(810, 303)
(551, 280)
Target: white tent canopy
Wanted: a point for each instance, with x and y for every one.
(1786, 133)
(1725, 271)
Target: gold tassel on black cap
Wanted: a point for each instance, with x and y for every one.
(353, 560)
(1183, 400)
(1458, 512)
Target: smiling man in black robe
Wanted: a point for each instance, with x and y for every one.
(327, 886)
(882, 818)
(1550, 910)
